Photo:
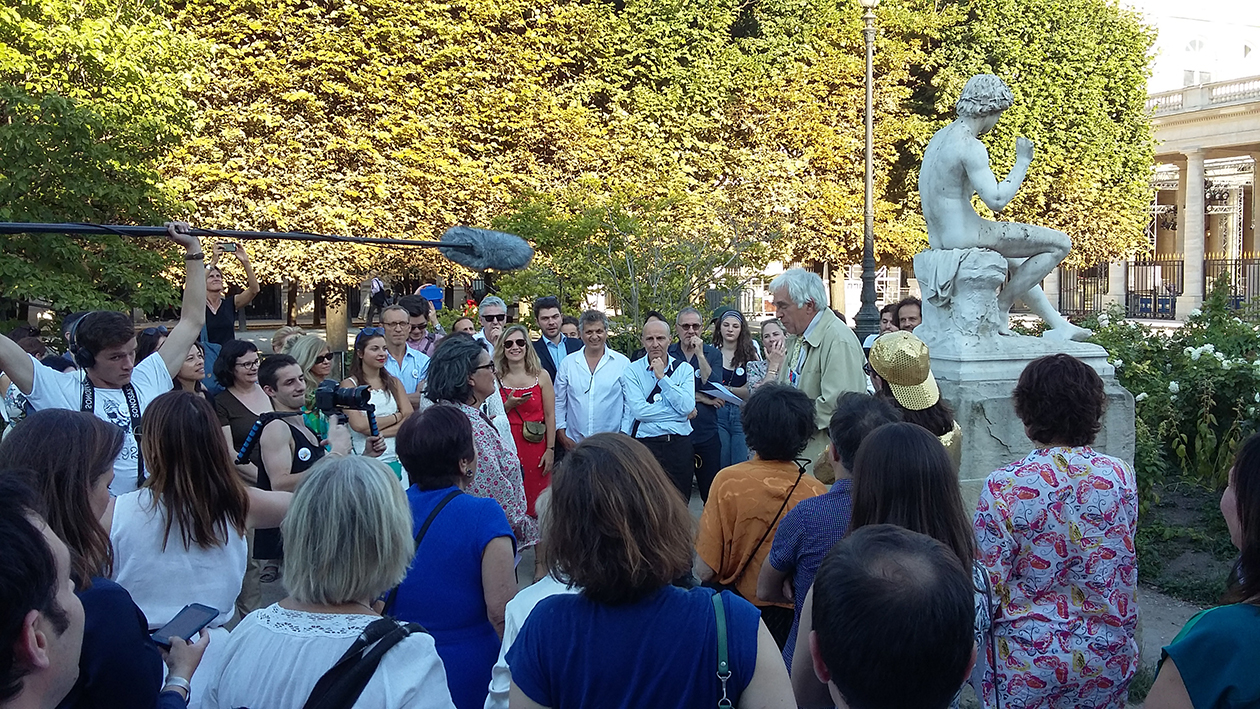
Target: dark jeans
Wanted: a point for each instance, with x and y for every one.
(675, 455)
(708, 455)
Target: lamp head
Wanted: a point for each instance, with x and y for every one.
(869, 4)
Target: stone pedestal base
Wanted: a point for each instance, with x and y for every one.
(977, 381)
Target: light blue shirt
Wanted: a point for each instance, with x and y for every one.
(557, 349)
(667, 412)
(411, 371)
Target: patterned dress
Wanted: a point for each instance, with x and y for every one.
(1056, 534)
(499, 476)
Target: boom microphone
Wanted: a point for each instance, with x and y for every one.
(481, 249)
(478, 249)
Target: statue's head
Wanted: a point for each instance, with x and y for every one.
(984, 95)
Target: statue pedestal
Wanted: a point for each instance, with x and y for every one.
(977, 368)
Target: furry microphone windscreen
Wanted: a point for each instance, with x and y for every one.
(486, 249)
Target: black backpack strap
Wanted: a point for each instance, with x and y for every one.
(341, 685)
(393, 592)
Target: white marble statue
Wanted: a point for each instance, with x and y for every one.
(956, 166)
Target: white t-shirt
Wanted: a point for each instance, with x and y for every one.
(517, 612)
(275, 656)
(64, 390)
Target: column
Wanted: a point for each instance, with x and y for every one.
(1117, 283)
(1191, 220)
(1050, 286)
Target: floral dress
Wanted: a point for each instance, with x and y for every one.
(499, 476)
(1056, 534)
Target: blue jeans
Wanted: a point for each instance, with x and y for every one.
(731, 432)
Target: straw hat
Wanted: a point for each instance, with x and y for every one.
(902, 361)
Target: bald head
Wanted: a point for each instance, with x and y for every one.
(656, 337)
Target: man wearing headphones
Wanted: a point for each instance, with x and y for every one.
(110, 383)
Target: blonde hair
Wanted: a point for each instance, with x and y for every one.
(532, 364)
(282, 337)
(305, 349)
(347, 534)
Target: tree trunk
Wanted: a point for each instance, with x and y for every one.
(321, 302)
(290, 308)
(337, 320)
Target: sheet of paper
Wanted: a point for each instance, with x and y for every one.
(717, 391)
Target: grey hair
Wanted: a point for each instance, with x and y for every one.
(588, 317)
(802, 287)
(492, 300)
(347, 534)
(984, 95)
(687, 311)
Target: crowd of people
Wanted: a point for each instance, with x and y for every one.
(834, 563)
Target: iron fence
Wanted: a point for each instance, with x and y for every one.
(1243, 275)
(1082, 290)
(1154, 285)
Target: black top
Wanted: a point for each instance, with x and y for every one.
(305, 454)
(737, 377)
(221, 326)
(119, 666)
(704, 425)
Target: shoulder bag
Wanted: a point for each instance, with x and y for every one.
(341, 685)
(723, 663)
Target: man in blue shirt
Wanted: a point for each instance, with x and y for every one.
(552, 347)
(409, 365)
(660, 401)
(706, 363)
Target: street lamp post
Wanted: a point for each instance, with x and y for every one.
(868, 315)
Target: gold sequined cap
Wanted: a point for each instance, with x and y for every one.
(902, 361)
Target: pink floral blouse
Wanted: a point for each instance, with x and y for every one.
(499, 476)
(1056, 534)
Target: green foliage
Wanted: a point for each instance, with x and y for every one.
(634, 250)
(92, 95)
(1195, 389)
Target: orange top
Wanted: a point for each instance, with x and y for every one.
(742, 503)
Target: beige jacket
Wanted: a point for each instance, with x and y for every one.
(833, 365)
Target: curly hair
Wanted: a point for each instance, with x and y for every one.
(984, 95)
(1061, 401)
(225, 364)
(450, 368)
(779, 421)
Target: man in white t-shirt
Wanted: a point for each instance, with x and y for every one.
(110, 383)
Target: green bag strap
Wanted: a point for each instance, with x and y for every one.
(724, 665)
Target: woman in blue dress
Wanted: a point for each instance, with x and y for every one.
(463, 574)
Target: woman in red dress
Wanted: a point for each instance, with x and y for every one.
(530, 403)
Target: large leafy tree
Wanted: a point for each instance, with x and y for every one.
(92, 95)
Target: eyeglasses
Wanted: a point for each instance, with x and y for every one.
(326, 357)
(866, 367)
(501, 317)
(397, 325)
(489, 366)
(159, 330)
(514, 343)
(252, 364)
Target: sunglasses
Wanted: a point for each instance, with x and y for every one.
(160, 330)
(501, 317)
(324, 358)
(514, 343)
(368, 332)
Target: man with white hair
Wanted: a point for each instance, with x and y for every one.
(493, 314)
(825, 358)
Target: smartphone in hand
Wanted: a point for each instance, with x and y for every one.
(228, 247)
(186, 624)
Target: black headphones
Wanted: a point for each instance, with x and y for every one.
(82, 357)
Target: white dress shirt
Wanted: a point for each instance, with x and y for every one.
(590, 402)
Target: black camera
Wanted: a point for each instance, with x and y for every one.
(330, 398)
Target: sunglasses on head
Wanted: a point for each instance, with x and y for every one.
(367, 333)
(159, 330)
(501, 317)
